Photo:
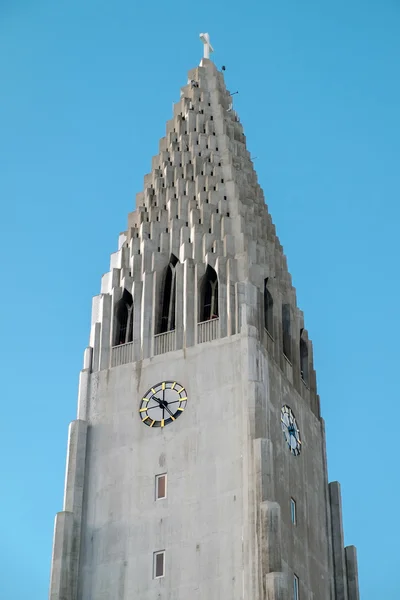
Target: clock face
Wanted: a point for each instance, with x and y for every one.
(163, 404)
(290, 430)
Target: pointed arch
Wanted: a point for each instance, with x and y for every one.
(168, 302)
(268, 309)
(209, 295)
(303, 358)
(287, 349)
(124, 319)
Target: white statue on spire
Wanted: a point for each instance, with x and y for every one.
(205, 38)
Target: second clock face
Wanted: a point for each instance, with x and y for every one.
(290, 430)
(163, 404)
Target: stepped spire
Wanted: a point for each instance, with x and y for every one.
(199, 293)
(202, 206)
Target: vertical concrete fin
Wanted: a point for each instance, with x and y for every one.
(352, 572)
(96, 334)
(328, 510)
(147, 314)
(339, 561)
(60, 577)
(221, 268)
(264, 468)
(276, 586)
(105, 340)
(83, 392)
(179, 269)
(189, 306)
(75, 471)
(137, 292)
(271, 549)
(73, 497)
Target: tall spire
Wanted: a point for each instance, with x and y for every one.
(202, 203)
(199, 292)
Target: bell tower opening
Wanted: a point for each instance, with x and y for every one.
(124, 319)
(303, 359)
(167, 321)
(287, 350)
(209, 295)
(268, 309)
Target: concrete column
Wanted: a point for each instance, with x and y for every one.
(327, 511)
(352, 573)
(147, 313)
(73, 495)
(83, 392)
(96, 333)
(105, 340)
(179, 307)
(240, 293)
(84, 378)
(250, 303)
(200, 269)
(231, 297)
(60, 578)
(87, 358)
(75, 472)
(222, 296)
(189, 294)
(137, 291)
(339, 562)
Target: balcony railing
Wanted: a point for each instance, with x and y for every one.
(164, 342)
(122, 354)
(207, 331)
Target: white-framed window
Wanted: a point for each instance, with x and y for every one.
(293, 513)
(296, 588)
(161, 486)
(159, 564)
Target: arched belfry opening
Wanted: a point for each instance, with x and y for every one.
(123, 322)
(303, 358)
(268, 309)
(209, 295)
(287, 350)
(168, 302)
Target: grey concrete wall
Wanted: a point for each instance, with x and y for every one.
(200, 523)
(225, 524)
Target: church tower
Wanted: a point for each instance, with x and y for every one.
(196, 468)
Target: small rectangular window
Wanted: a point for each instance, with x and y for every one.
(159, 564)
(293, 511)
(296, 588)
(161, 486)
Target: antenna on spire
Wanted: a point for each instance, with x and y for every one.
(205, 38)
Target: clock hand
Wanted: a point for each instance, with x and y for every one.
(167, 409)
(157, 400)
(161, 403)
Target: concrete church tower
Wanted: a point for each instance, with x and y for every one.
(197, 319)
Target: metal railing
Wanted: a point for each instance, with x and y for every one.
(122, 354)
(164, 342)
(207, 331)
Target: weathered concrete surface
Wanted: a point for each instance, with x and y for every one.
(214, 521)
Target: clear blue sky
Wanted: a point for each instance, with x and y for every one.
(86, 89)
